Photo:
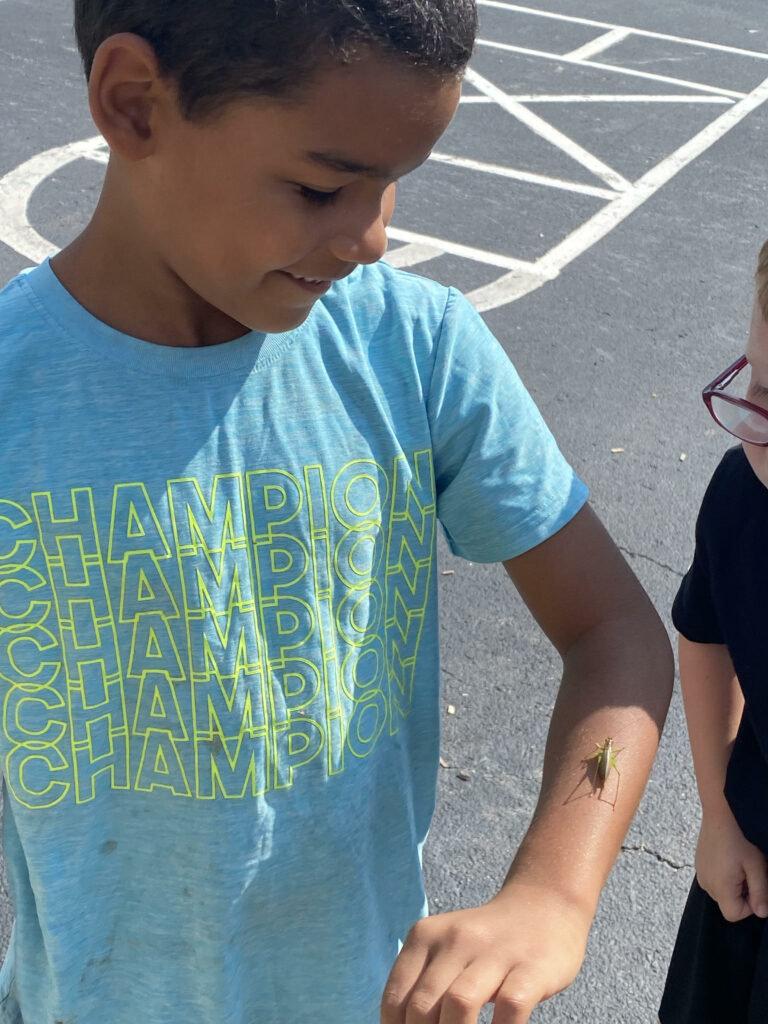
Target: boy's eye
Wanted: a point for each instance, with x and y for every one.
(314, 195)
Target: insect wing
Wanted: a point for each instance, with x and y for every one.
(605, 760)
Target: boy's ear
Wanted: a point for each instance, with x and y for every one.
(126, 90)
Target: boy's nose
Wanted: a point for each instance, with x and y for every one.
(365, 246)
(367, 241)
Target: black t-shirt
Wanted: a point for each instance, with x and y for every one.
(723, 599)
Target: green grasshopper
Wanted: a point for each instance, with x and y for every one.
(605, 755)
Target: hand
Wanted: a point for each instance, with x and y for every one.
(522, 947)
(730, 868)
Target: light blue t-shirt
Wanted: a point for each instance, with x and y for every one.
(218, 642)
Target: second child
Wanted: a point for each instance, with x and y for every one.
(719, 968)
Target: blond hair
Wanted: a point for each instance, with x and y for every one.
(761, 280)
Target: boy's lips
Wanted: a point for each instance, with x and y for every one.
(315, 285)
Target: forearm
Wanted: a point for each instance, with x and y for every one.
(713, 708)
(528, 942)
(617, 682)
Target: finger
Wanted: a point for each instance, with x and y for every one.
(475, 986)
(757, 884)
(734, 908)
(518, 996)
(426, 998)
(407, 969)
(728, 892)
(732, 901)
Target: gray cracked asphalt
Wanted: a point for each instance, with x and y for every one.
(615, 350)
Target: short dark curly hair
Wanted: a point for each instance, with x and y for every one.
(218, 50)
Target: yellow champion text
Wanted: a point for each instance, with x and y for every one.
(211, 641)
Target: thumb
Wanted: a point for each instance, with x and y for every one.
(756, 874)
(733, 901)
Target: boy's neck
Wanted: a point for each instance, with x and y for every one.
(117, 277)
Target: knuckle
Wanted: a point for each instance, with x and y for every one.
(510, 1004)
(460, 1001)
(460, 934)
(516, 998)
(419, 933)
(420, 1005)
(393, 1004)
(392, 1000)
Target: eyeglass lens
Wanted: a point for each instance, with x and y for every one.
(742, 423)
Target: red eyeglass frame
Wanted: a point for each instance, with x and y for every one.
(716, 388)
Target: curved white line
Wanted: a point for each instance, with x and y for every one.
(16, 190)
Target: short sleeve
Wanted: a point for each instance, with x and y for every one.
(503, 485)
(693, 611)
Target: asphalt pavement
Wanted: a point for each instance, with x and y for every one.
(601, 196)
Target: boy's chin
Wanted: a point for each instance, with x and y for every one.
(282, 321)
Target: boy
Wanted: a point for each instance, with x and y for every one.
(229, 434)
(719, 968)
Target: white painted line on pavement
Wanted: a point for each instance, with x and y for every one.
(17, 187)
(527, 176)
(518, 276)
(630, 72)
(603, 222)
(410, 254)
(598, 45)
(548, 132)
(442, 245)
(517, 8)
(508, 288)
(533, 97)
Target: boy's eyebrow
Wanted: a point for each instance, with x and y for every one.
(339, 163)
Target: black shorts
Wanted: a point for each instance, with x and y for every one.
(719, 970)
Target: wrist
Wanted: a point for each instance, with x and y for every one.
(579, 903)
(714, 807)
(526, 900)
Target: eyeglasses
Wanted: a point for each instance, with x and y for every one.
(739, 417)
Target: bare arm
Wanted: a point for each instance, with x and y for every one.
(617, 682)
(728, 867)
(713, 707)
(528, 942)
